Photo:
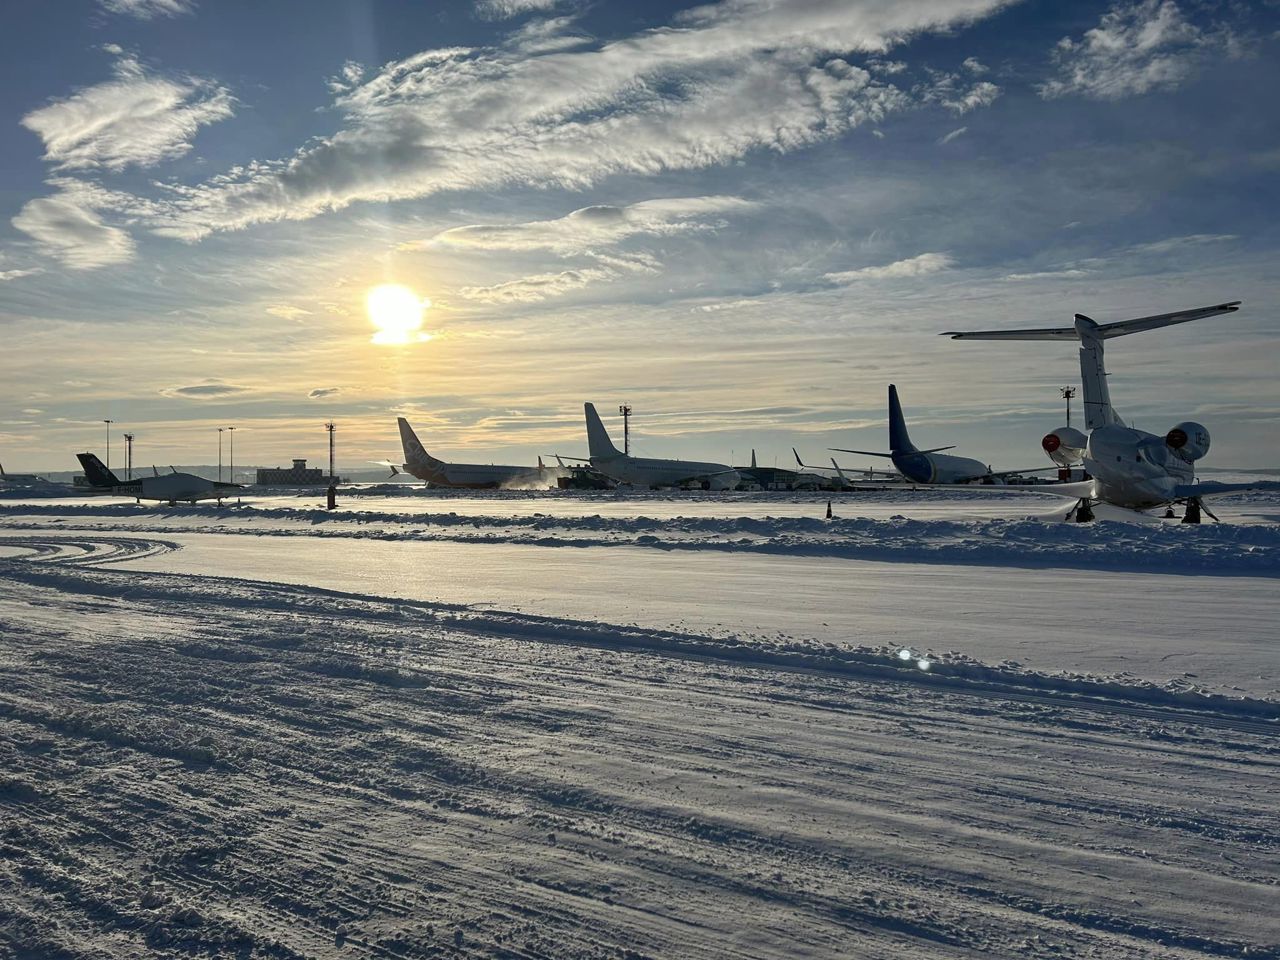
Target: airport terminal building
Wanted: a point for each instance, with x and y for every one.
(299, 475)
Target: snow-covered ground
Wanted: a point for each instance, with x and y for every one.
(585, 726)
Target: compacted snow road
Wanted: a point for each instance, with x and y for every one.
(217, 767)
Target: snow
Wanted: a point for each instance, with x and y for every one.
(636, 726)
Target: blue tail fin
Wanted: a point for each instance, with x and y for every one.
(97, 474)
(899, 442)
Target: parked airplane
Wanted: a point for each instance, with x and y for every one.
(648, 471)
(929, 466)
(22, 479)
(173, 486)
(1129, 467)
(476, 476)
(842, 480)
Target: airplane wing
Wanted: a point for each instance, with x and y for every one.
(1210, 488)
(1108, 330)
(1007, 473)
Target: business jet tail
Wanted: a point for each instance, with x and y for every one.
(96, 472)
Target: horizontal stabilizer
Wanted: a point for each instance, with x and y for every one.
(1104, 330)
(864, 453)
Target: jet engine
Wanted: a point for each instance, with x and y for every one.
(1065, 446)
(1188, 440)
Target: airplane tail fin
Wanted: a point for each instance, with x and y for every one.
(753, 458)
(899, 442)
(95, 472)
(598, 442)
(414, 451)
(1103, 331)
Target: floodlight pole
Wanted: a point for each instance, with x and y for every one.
(128, 446)
(625, 410)
(232, 431)
(1067, 394)
(331, 426)
(108, 423)
(219, 454)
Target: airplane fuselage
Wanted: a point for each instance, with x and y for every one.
(937, 467)
(474, 476)
(1133, 468)
(652, 472)
(171, 487)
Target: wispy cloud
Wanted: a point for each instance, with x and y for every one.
(726, 79)
(592, 227)
(17, 274)
(1136, 48)
(67, 226)
(593, 233)
(920, 266)
(136, 119)
(501, 9)
(958, 132)
(147, 9)
(320, 393)
(540, 286)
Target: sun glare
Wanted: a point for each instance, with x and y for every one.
(397, 313)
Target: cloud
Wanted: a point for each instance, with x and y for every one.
(321, 392)
(287, 312)
(1136, 48)
(958, 132)
(591, 232)
(724, 80)
(18, 274)
(591, 227)
(974, 66)
(148, 9)
(954, 90)
(920, 266)
(136, 119)
(540, 286)
(68, 227)
(1179, 244)
(502, 9)
(209, 390)
(1067, 274)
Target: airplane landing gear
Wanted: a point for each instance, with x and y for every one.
(1193, 511)
(1168, 513)
(1082, 512)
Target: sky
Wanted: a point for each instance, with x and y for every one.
(743, 218)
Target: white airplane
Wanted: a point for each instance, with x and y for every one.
(650, 472)
(172, 487)
(1128, 467)
(475, 476)
(929, 466)
(23, 479)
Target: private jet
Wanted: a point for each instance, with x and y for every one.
(648, 471)
(930, 466)
(472, 476)
(171, 487)
(1128, 467)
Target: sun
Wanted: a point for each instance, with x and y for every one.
(397, 313)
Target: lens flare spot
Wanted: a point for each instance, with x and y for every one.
(923, 664)
(905, 654)
(397, 313)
